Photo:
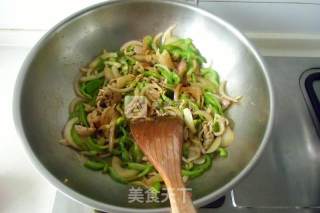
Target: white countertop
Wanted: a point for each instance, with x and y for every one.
(22, 23)
(22, 189)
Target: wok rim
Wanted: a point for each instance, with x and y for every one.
(105, 206)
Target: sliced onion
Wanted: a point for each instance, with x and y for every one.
(204, 84)
(222, 122)
(73, 103)
(108, 75)
(108, 115)
(223, 94)
(127, 89)
(153, 179)
(119, 109)
(88, 107)
(131, 43)
(185, 133)
(200, 160)
(184, 159)
(176, 92)
(115, 71)
(221, 127)
(164, 58)
(189, 120)
(67, 132)
(225, 103)
(139, 183)
(124, 173)
(140, 57)
(94, 63)
(152, 91)
(113, 64)
(138, 67)
(84, 131)
(111, 133)
(194, 91)
(138, 49)
(91, 77)
(196, 141)
(194, 153)
(182, 68)
(85, 70)
(76, 87)
(156, 41)
(122, 81)
(173, 111)
(63, 142)
(106, 55)
(204, 114)
(185, 179)
(167, 35)
(227, 137)
(215, 145)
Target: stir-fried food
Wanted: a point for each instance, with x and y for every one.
(160, 75)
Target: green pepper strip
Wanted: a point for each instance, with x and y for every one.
(171, 77)
(125, 155)
(120, 121)
(148, 169)
(100, 65)
(155, 188)
(93, 146)
(78, 140)
(211, 75)
(105, 168)
(166, 99)
(86, 143)
(198, 170)
(94, 165)
(115, 176)
(89, 153)
(91, 88)
(212, 101)
(144, 168)
(148, 40)
(82, 115)
(185, 49)
(116, 151)
(223, 152)
(151, 73)
(79, 112)
(137, 166)
(185, 149)
(136, 153)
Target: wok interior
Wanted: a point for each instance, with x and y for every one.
(48, 89)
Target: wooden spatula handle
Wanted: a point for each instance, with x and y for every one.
(180, 200)
(161, 141)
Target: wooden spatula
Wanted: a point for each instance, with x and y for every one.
(161, 141)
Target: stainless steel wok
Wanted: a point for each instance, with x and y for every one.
(44, 89)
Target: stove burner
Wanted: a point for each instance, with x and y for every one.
(216, 204)
(310, 85)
